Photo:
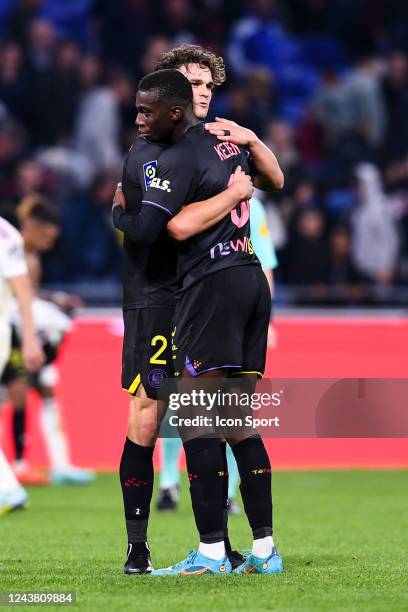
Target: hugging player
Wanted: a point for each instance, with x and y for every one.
(154, 287)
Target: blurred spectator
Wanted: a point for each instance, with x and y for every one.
(41, 45)
(21, 17)
(11, 145)
(72, 19)
(280, 137)
(130, 20)
(375, 237)
(29, 178)
(156, 46)
(395, 94)
(350, 109)
(307, 262)
(346, 284)
(264, 104)
(40, 58)
(310, 138)
(258, 39)
(13, 86)
(89, 248)
(59, 99)
(239, 108)
(311, 16)
(175, 21)
(97, 125)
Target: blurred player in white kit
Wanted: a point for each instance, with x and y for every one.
(39, 224)
(14, 279)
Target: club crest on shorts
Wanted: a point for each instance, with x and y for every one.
(149, 171)
(157, 377)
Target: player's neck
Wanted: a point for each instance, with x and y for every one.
(188, 121)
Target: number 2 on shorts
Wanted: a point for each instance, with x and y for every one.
(155, 358)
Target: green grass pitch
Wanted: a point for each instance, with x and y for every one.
(343, 537)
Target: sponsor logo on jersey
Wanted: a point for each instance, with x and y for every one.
(157, 377)
(232, 246)
(157, 183)
(149, 171)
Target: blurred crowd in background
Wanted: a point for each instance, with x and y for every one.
(323, 82)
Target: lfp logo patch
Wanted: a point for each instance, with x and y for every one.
(149, 171)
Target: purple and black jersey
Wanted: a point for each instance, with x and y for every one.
(195, 169)
(149, 274)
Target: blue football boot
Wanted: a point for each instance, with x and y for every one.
(196, 564)
(258, 565)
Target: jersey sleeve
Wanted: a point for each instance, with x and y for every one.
(260, 236)
(12, 259)
(175, 180)
(143, 228)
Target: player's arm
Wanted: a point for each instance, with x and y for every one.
(267, 174)
(172, 186)
(32, 352)
(142, 228)
(199, 216)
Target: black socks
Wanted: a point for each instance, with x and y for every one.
(19, 423)
(256, 484)
(136, 479)
(205, 466)
(223, 447)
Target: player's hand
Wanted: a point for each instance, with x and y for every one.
(33, 355)
(241, 183)
(232, 132)
(67, 301)
(119, 198)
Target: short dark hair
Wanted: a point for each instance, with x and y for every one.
(169, 84)
(37, 208)
(193, 54)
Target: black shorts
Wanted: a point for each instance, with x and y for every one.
(15, 367)
(221, 323)
(146, 356)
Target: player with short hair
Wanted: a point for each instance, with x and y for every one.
(205, 70)
(220, 260)
(14, 279)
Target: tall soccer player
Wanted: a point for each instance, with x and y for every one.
(14, 279)
(205, 71)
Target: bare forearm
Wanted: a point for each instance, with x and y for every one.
(199, 216)
(268, 175)
(22, 290)
(269, 277)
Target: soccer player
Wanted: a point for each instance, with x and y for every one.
(204, 70)
(220, 260)
(14, 279)
(170, 473)
(39, 225)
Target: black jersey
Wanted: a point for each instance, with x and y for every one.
(195, 169)
(149, 271)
